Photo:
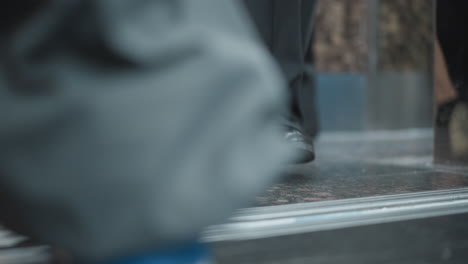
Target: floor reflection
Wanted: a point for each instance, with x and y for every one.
(367, 164)
(349, 165)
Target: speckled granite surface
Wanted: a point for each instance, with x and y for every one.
(348, 166)
(363, 166)
(366, 165)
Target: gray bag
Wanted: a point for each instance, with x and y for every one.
(127, 125)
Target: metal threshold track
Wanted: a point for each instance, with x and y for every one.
(272, 221)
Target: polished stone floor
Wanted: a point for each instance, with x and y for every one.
(349, 165)
(353, 165)
(356, 165)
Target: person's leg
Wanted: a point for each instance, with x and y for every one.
(286, 29)
(452, 15)
(306, 89)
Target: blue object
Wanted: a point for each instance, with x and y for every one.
(191, 253)
(341, 100)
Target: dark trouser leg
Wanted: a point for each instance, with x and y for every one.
(451, 17)
(286, 28)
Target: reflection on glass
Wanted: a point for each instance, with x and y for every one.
(373, 69)
(400, 91)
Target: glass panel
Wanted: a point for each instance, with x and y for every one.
(373, 69)
(400, 94)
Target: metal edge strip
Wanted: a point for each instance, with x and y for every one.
(257, 223)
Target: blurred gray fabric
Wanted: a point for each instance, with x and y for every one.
(129, 125)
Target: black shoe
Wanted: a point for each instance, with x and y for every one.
(302, 143)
